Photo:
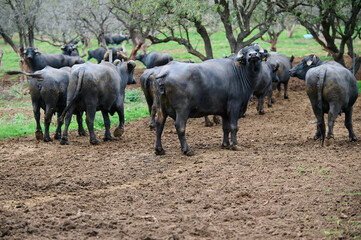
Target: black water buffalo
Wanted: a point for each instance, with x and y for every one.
(99, 53)
(108, 39)
(154, 59)
(263, 87)
(213, 87)
(94, 87)
(48, 90)
(331, 89)
(70, 49)
(38, 60)
(285, 64)
(119, 39)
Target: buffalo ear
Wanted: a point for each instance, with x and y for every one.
(240, 58)
(131, 65)
(309, 62)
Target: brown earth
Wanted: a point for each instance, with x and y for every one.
(282, 185)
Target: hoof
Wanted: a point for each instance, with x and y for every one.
(216, 120)
(39, 135)
(353, 139)
(94, 142)
(225, 146)
(316, 137)
(330, 141)
(159, 151)
(208, 124)
(57, 136)
(261, 112)
(235, 148)
(269, 105)
(285, 97)
(272, 100)
(64, 141)
(108, 139)
(118, 132)
(188, 152)
(151, 127)
(243, 116)
(82, 133)
(48, 139)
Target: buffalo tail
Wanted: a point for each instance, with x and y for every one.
(39, 76)
(320, 84)
(78, 87)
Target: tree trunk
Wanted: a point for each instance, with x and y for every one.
(1, 56)
(291, 30)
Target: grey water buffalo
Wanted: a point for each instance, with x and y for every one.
(70, 49)
(154, 59)
(119, 39)
(38, 60)
(213, 87)
(331, 89)
(263, 87)
(99, 53)
(285, 64)
(94, 87)
(48, 91)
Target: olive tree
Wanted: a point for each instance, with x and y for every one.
(333, 24)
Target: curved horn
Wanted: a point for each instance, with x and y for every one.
(62, 47)
(117, 62)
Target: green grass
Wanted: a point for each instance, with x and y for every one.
(19, 124)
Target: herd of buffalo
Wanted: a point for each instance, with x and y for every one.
(65, 84)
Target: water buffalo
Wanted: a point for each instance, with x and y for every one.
(70, 49)
(263, 87)
(119, 39)
(331, 89)
(213, 87)
(48, 90)
(285, 64)
(94, 87)
(38, 60)
(154, 59)
(99, 53)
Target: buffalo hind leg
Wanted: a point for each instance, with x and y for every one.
(180, 125)
(47, 120)
(285, 95)
(39, 131)
(207, 122)
(348, 125)
(160, 122)
(68, 115)
(119, 131)
(79, 119)
(59, 124)
(90, 115)
(107, 135)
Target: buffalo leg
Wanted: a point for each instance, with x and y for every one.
(348, 125)
(47, 120)
(152, 117)
(79, 119)
(226, 131)
(269, 98)
(180, 125)
(39, 131)
(68, 115)
(208, 122)
(285, 95)
(118, 132)
(234, 130)
(59, 123)
(107, 135)
(160, 122)
(321, 128)
(332, 114)
(90, 115)
(260, 105)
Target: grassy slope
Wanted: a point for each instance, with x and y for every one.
(20, 124)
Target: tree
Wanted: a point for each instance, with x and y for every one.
(333, 24)
(19, 16)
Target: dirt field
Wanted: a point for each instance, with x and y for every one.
(283, 185)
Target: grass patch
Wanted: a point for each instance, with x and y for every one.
(19, 124)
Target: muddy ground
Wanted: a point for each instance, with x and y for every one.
(282, 185)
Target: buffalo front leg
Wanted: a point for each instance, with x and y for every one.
(39, 131)
(207, 122)
(59, 124)
(348, 125)
(90, 116)
(234, 130)
(226, 130)
(107, 135)
(285, 94)
(160, 122)
(180, 125)
(260, 105)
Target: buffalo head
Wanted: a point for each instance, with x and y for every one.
(252, 53)
(306, 64)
